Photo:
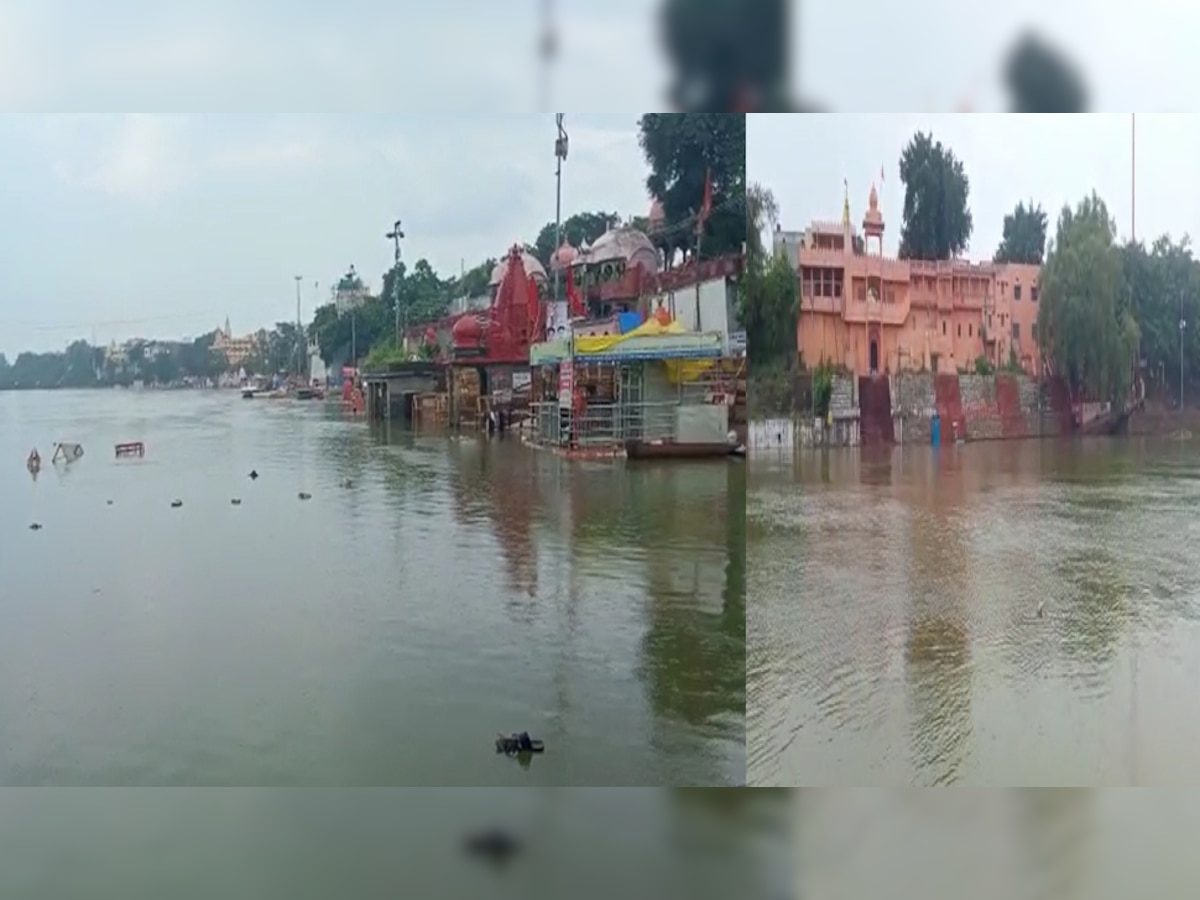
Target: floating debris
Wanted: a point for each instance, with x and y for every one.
(36, 526)
(236, 501)
(513, 744)
(108, 503)
(66, 452)
(496, 845)
(130, 448)
(253, 474)
(304, 496)
(175, 504)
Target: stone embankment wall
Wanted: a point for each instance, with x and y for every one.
(972, 407)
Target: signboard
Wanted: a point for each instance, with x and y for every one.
(566, 383)
(521, 381)
(737, 342)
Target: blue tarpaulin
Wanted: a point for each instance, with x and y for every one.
(627, 322)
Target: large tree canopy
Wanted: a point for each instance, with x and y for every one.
(681, 150)
(1024, 238)
(762, 214)
(937, 216)
(768, 294)
(1085, 323)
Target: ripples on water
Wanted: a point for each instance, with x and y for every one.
(380, 633)
(1039, 844)
(894, 635)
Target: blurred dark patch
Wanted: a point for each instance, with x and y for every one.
(727, 55)
(1040, 79)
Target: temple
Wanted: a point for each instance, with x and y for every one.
(629, 353)
(867, 313)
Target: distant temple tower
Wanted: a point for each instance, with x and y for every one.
(873, 222)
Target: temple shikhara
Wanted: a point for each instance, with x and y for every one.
(631, 356)
(867, 313)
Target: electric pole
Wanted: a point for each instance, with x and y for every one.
(560, 154)
(395, 236)
(1182, 325)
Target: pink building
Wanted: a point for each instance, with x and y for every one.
(870, 313)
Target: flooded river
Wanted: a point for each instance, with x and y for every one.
(895, 633)
(430, 594)
(252, 844)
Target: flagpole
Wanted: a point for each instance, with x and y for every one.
(1132, 177)
(705, 209)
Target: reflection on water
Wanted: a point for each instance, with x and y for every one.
(432, 593)
(896, 637)
(142, 844)
(1031, 844)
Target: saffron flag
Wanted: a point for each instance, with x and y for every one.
(573, 295)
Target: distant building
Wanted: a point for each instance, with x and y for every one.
(869, 313)
(236, 350)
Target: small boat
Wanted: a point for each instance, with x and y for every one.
(249, 393)
(672, 450)
(307, 393)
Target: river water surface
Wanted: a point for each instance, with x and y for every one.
(380, 633)
(894, 628)
(253, 844)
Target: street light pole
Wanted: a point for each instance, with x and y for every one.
(560, 154)
(1182, 325)
(299, 328)
(395, 236)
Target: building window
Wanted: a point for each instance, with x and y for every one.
(970, 330)
(1016, 331)
(943, 328)
(960, 329)
(1033, 294)
(1016, 292)
(1034, 329)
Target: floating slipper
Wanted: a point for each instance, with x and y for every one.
(512, 744)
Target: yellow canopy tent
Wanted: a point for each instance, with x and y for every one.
(678, 370)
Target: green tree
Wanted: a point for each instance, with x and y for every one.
(1086, 325)
(1024, 238)
(682, 149)
(762, 215)
(769, 299)
(1162, 285)
(937, 221)
(164, 366)
(585, 226)
(474, 281)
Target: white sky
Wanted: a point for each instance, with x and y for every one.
(1054, 160)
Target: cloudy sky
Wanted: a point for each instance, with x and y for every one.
(939, 54)
(1052, 159)
(161, 225)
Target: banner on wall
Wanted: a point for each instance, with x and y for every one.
(558, 321)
